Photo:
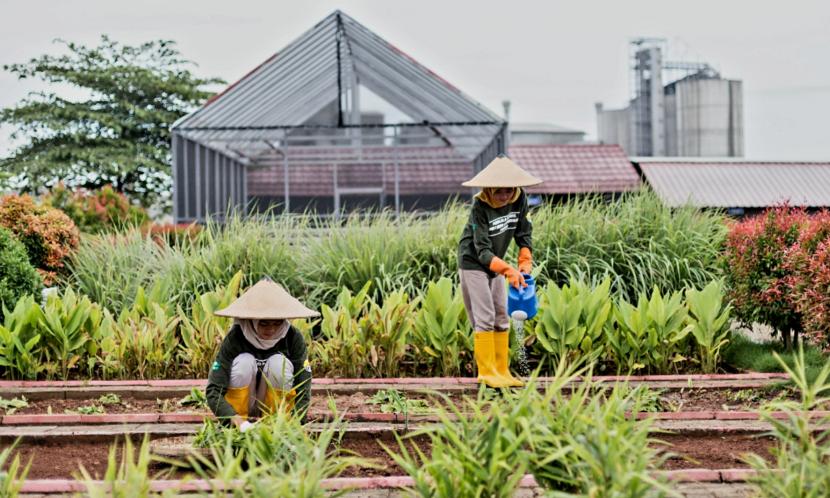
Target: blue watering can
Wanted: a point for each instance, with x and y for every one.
(523, 300)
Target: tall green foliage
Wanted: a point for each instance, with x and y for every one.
(799, 469)
(118, 133)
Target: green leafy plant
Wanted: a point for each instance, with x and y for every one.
(475, 451)
(12, 405)
(441, 338)
(196, 399)
(67, 324)
(92, 409)
(129, 477)
(393, 401)
(202, 331)
(342, 336)
(12, 475)
(298, 460)
(652, 335)
(709, 317)
(387, 330)
(573, 319)
(18, 277)
(109, 399)
(800, 467)
(143, 347)
(20, 341)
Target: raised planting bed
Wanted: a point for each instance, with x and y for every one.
(61, 459)
(177, 388)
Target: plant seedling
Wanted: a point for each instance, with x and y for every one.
(195, 399)
(88, 410)
(109, 399)
(12, 405)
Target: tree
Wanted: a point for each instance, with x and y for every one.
(118, 134)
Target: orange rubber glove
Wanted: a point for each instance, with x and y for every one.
(525, 260)
(511, 274)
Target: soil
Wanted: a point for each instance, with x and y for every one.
(52, 460)
(713, 451)
(670, 400)
(692, 400)
(127, 405)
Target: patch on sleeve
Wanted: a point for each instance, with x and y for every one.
(307, 366)
(215, 366)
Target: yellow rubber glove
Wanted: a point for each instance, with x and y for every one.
(512, 275)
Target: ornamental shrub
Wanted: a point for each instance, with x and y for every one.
(17, 276)
(808, 264)
(777, 268)
(48, 234)
(95, 211)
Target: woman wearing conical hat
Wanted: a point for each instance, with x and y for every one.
(498, 215)
(262, 364)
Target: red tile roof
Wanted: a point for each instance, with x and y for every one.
(580, 168)
(564, 169)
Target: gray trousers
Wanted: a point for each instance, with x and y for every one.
(485, 300)
(277, 372)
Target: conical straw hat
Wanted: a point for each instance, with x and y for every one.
(502, 172)
(267, 301)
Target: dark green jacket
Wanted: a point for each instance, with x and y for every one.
(489, 231)
(292, 346)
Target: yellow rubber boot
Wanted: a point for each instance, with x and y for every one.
(502, 346)
(275, 398)
(486, 360)
(237, 397)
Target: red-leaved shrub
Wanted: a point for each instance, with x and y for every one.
(48, 234)
(756, 272)
(95, 211)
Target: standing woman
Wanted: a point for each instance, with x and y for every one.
(262, 364)
(498, 215)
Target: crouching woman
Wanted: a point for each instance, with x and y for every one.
(262, 363)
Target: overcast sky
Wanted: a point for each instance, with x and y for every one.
(553, 59)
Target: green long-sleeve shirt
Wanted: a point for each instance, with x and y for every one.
(489, 231)
(292, 346)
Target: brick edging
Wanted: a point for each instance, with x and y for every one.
(56, 486)
(193, 417)
(392, 381)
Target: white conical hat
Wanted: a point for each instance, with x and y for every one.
(267, 300)
(502, 172)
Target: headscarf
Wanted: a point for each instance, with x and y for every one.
(249, 331)
(488, 196)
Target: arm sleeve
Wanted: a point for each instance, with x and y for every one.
(298, 356)
(481, 235)
(218, 380)
(524, 230)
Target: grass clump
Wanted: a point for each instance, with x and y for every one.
(745, 354)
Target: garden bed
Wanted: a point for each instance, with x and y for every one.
(55, 460)
(695, 399)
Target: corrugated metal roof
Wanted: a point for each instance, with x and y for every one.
(735, 183)
(297, 82)
(567, 169)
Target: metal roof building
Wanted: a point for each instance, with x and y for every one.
(728, 183)
(299, 113)
(564, 169)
